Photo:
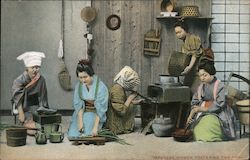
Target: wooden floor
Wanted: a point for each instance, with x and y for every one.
(142, 147)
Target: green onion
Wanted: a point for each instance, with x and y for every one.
(111, 136)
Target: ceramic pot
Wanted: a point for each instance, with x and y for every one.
(40, 137)
(57, 137)
(49, 128)
(162, 127)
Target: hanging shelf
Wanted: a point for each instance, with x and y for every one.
(179, 17)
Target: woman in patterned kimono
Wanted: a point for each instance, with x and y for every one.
(193, 48)
(212, 118)
(121, 111)
(90, 102)
(29, 90)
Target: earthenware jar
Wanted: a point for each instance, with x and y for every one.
(40, 137)
(162, 127)
(57, 137)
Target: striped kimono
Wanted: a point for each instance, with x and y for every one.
(218, 123)
(29, 96)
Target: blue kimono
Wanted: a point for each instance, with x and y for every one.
(97, 93)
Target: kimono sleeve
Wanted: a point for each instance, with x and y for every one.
(195, 100)
(118, 98)
(101, 102)
(18, 90)
(220, 100)
(77, 102)
(192, 46)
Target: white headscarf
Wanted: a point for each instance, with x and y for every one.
(127, 78)
(31, 58)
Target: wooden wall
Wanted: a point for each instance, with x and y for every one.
(115, 49)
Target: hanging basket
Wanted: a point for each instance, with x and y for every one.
(64, 78)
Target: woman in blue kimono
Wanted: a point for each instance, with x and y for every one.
(90, 102)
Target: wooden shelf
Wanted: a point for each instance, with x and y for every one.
(178, 17)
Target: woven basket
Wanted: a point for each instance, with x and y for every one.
(190, 11)
(64, 78)
(177, 63)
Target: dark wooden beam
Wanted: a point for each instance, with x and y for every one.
(63, 112)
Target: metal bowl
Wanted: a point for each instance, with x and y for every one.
(165, 79)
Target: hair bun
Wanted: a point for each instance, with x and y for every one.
(84, 61)
(206, 61)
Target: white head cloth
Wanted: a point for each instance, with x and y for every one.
(127, 78)
(31, 58)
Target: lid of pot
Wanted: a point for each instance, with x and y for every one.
(243, 103)
(162, 120)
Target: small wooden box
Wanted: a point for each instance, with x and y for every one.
(47, 119)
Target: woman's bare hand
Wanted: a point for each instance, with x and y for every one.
(94, 132)
(132, 96)
(21, 117)
(194, 110)
(137, 101)
(130, 99)
(186, 70)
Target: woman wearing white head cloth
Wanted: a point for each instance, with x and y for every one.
(29, 89)
(121, 111)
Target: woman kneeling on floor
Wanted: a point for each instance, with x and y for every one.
(122, 110)
(90, 102)
(212, 119)
(29, 91)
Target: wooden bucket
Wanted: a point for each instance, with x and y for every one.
(177, 63)
(244, 110)
(16, 136)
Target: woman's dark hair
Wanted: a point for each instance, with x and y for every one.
(208, 66)
(182, 24)
(84, 65)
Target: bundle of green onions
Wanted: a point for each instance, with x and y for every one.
(110, 136)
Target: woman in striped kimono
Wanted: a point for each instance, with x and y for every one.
(212, 118)
(90, 102)
(29, 91)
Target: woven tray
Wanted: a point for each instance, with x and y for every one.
(190, 11)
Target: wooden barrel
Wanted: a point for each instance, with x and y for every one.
(244, 110)
(16, 136)
(177, 63)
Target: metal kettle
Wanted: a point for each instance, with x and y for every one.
(40, 137)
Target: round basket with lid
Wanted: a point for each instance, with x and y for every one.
(190, 11)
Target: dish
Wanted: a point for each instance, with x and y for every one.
(168, 14)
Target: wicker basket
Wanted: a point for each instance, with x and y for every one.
(190, 11)
(177, 63)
